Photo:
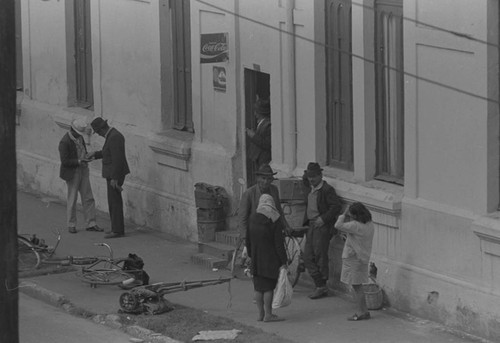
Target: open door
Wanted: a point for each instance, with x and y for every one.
(256, 86)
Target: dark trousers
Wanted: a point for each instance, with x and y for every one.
(115, 205)
(316, 254)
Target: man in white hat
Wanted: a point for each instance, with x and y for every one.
(75, 171)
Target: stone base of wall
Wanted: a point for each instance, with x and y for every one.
(456, 304)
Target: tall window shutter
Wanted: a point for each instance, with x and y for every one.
(389, 90)
(182, 63)
(83, 54)
(339, 83)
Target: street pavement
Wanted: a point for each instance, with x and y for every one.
(40, 322)
(167, 259)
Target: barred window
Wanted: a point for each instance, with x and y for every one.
(339, 83)
(389, 90)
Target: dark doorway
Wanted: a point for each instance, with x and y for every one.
(256, 86)
(19, 47)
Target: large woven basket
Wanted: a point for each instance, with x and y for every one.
(374, 296)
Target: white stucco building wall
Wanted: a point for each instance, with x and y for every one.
(437, 241)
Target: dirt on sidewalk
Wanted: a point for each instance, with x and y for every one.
(180, 323)
(183, 323)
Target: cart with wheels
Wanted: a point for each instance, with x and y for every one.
(149, 299)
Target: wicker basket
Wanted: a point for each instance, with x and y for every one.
(374, 296)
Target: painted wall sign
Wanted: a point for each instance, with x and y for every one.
(220, 79)
(214, 48)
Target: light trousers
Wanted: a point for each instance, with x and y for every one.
(80, 183)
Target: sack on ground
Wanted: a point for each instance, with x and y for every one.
(134, 265)
(283, 292)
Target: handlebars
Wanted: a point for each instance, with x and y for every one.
(107, 246)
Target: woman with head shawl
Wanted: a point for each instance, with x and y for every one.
(266, 247)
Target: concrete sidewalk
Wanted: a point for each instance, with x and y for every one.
(167, 259)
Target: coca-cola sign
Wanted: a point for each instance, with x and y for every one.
(214, 48)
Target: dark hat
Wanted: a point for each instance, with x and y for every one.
(263, 107)
(313, 169)
(265, 170)
(98, 123)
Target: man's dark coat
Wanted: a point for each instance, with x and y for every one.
(69, 157)
(114, 162)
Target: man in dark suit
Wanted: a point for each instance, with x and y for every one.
(259, 150)
(250, 198)
(75, 171)
(114, 169)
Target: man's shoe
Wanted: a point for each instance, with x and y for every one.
(95, 228)
(72, 229)
(113, 235)
(319, 292)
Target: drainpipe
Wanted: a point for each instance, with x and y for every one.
(291, 156)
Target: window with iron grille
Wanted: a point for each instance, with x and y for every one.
(389, 90)
(339, 83)
(181, 43)
(83, 55)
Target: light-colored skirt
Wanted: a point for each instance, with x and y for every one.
(354, 272)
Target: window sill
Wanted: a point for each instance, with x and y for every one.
(172, 148)
(383, 199)
(487, 228)
(378, 195)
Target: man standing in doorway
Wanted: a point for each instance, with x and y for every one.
(75, 171)
(259, 150)
(114, 170)
(323, 206)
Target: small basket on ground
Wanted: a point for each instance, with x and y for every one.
(374, 296)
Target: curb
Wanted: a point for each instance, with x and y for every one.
(110, 320)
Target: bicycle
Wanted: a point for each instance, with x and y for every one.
(294, 239)
(95, 270)
(30, 251)
(33, 252)
(108, 271)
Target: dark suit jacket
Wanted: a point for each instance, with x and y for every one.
(69, 157)
(114, 162)
(260, 144)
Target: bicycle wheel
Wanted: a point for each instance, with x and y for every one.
(293, 253)
(240, 265)
(27, 256)
(103, 276)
